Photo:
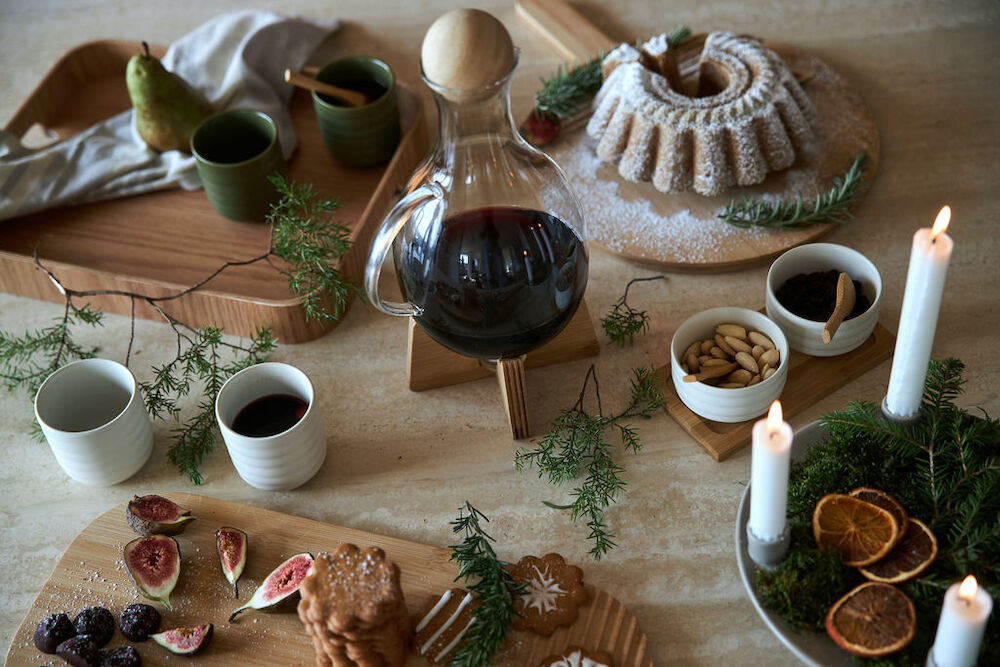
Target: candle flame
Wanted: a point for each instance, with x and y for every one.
(774, 417)
(941, 222)
(967, 591)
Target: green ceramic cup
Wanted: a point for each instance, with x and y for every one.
(235, 152)
(365, 136)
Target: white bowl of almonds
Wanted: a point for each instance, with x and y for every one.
(728, 364)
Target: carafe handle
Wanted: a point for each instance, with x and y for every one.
(391, 226)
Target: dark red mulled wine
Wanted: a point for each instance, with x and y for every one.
(269, 415)
(496, 282)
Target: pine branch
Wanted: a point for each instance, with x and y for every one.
(833, 205)
(578, 444)
(944, 469)
(624, 322)
(493, 591)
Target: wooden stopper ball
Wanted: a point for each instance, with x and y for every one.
(466, 49)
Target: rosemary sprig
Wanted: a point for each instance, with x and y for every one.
(832, 205)
(303, 237)
(493, 592)
(577, 443)
(624, 321)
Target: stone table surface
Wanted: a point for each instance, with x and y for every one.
(400, 463)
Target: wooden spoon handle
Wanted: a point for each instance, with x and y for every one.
(843, 308)
(352, 97)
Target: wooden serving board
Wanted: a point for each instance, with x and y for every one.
(682, 232)
(809, 380)
(91, 573)
(162, 242)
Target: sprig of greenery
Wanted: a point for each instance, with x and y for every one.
(832, 205)
(26, 360)
(493, 591)
(624, 322)
(578, 443)
(303, 238)
(944, 469)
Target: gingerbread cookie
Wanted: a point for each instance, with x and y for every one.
(352, 607)
(440, 630)
(576, 656)
(552, 596)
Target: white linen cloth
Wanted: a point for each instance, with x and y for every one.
(236, 60)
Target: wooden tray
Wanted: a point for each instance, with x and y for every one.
(161, 242)
(809, 380)
(91, 572)
(681, 232)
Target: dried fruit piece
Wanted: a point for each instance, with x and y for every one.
(862, 532)
(97, 622)
(185, 641)
(282, 584)
(231, 543)
(873, 620)
(120, 656)
(913, 554)
(80, 651)
(156, 515)
(885, 501)
(52, 631)
(154, 564)
(138, 621)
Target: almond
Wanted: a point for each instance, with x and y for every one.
(721, 342)
(756, 351)
(719, 353)
(707, 345)
(734, 330)
(746, 360)
(694, 348)
(770, 358)
(713, 361)
(741, 375)
(684, 367)
(731, 385)
(692, 363)
(762, 340)
(754, 380)
(702, 358)
(768, 372)
(738, 345)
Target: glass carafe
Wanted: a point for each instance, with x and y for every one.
(488, 243)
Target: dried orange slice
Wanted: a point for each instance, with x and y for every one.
(862, 532)
(885, 501)
(913, 554)
(873, 620)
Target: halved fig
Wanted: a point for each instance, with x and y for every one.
(155, 515)
(154, 564)
(231, 543)
(281, 585)
(184, 641)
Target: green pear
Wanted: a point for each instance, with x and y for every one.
(167, 109)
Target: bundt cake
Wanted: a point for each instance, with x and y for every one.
(749, 115)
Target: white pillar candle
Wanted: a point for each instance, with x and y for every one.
(960, 629)
(921, 302)
(770, 459)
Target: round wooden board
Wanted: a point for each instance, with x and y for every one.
(91, 572)
(681, 232)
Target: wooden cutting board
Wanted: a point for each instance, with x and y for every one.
(680, 231)
(91, 573)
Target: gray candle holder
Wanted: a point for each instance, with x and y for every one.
(768, 554)
(891, 416)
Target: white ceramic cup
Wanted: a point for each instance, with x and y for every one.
(807, 335)
(278, 462)
(95, 421)
(716, 403)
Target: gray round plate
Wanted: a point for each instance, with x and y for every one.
(809, 647)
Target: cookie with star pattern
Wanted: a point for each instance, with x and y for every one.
(552, 596)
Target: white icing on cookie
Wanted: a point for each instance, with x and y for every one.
(543, 591)
(447, 624)
(454, 642)
(577, 659)
(434, 611)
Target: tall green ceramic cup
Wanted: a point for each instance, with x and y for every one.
(235, 152)
(365, 136)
